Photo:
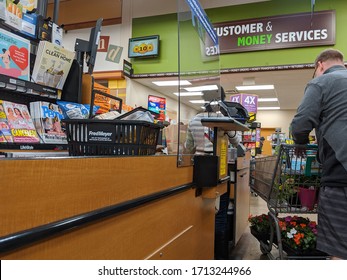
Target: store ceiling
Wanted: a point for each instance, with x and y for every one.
(289, 86)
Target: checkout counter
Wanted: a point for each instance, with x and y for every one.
(92, 208)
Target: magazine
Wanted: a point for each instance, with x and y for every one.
(52, 65)
(15, 55)
(5, 132)
(29, 22)
(14, 14)
(44, 28)
(20, 123)
(2, 9)
(47, 120)
(57, 34)
(13, 11)
(28, 5)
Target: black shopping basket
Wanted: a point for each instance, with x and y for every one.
(92, 137)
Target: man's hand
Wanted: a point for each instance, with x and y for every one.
(300, 150)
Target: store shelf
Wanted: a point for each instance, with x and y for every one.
(13, 30)
(32, 146)
(24, 92)
(11, 85)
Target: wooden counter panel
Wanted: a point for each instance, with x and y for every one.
(245, 161)
(216, 191)
(179, 227)
(37, 192)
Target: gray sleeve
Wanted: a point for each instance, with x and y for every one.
(307, 115)
(234, 138)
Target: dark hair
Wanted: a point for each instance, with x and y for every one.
(4, 51)
(329, 54)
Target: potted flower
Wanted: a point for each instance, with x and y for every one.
(260, 226)
(298, 234)
(308, 191)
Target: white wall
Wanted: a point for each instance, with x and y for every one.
(114, 31)
(274, 119)
(119, 36)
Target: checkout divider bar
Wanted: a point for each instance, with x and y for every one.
(27, 237)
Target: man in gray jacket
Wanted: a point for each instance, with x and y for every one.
(324, 108)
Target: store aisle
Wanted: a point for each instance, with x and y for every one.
(248, 247)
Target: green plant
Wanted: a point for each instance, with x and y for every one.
(286, 188)
(298, 232)
(260, 223)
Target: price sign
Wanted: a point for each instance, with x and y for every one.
(249, 101)
(236, 98)
(143, 48)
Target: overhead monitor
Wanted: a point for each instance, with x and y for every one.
(143, 47)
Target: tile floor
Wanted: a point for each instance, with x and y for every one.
(248, 247)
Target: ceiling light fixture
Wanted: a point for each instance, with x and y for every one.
(259, 87)
(200, 101)
(172, 83)
(202, 88)
(197, 101)
(269, 108)
(198, 93)
(267, 99)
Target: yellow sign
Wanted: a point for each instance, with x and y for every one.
(143, 48)
(223, 157)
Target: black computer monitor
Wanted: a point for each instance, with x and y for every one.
(93, 45)
(85, 52)
(89, 48)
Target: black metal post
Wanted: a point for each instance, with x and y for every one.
(56, 11)
(42, 7)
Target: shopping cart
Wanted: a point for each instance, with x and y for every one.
(289, 182)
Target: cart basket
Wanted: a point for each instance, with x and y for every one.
(290, 181)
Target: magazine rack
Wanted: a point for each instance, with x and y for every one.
(36, 91)
(23, 92)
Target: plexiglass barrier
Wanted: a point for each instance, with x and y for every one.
(199, 79)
